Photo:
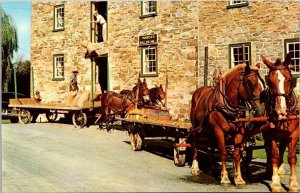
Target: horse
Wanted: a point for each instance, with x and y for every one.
(119, 104)
(280, 103)
(157, 95)
(214, 109)
(143, 93)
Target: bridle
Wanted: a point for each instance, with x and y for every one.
(288, 96)
(250, 98)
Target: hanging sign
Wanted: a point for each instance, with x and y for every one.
(148, 40)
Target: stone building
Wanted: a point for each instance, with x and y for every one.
(183, 41)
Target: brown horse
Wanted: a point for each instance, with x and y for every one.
(280, 103)
(214, 110)
(143, 97)
(157, 95)
(111, 101)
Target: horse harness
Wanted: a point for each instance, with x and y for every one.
(225, 107)
(290, 97)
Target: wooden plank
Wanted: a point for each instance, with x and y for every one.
(174, 124)
(21, 101)
(55, 106)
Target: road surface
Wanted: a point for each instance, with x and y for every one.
(56, 157)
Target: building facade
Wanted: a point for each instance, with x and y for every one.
(182, 41)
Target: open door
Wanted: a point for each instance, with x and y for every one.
(101, 7)
(102, 66)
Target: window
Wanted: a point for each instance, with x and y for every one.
(293, 46)
(149, 9)
(59, 19)
(58, 67)
(236, 54)
(234, 4)
(149, 61)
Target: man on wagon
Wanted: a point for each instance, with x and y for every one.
(73, 82)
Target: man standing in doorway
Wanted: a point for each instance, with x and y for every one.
(101, 25)
(73, 82)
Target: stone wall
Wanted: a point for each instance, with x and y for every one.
(266, 24)
(183, 28)
(177, 29)
(45, 43)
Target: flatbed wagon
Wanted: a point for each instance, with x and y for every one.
(27, 107)
(154, 122)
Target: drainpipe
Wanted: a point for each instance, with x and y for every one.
(32, 80)
(92, 81)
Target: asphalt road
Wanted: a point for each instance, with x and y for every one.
(53, 157)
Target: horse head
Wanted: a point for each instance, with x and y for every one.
(144, 91)
(280, 83)
(243, 82)
(157, 95)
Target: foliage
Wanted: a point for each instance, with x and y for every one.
(9, 45)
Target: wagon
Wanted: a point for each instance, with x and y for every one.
(155, 122)
(29, 106)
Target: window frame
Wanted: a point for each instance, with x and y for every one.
(286, 42)
(231, 46)
(55, 19)
(143, 73)
(237, 5)
(151, 14)
(55, 78)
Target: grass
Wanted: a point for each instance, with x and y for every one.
(261, 153)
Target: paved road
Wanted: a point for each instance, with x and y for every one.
(53, 157)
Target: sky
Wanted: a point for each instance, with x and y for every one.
(20, 11)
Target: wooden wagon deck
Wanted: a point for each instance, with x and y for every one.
(30, 106)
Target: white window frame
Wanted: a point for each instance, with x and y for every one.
(295, 52)
(236, 54)
(58, 67)
(146, 7)
(149, 61)
(59, 17)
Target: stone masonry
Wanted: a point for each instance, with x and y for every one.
(184, 28)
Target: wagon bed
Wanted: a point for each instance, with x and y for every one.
(154, 122)
(29, 106)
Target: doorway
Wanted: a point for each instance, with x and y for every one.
(102, 66)
(101, 8)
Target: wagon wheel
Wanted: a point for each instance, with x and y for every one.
(24, 116)
(180, 154)
(51, 116)
(247, 155)
(79, 119)
(136, 141)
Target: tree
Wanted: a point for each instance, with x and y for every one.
(9, 44)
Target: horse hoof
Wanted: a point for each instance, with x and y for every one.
(240, 186)
(293, 189)
(225, 184)
(195, 172)
(277, 189)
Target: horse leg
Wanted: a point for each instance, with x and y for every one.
(195, 164)
(220, 125)
(293, 184)
(238, 180)
(268, 149)
(275, 185)
(223, 155)
(282, 147)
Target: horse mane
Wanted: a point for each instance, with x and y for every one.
(233, 70)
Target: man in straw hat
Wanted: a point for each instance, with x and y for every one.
(101, 25)
(73, 82)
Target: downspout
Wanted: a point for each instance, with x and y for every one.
(32, 80)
